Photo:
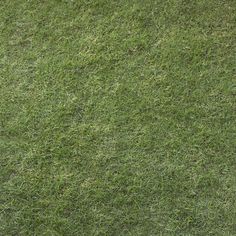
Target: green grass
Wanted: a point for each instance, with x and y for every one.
(117, 117)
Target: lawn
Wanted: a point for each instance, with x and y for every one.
(117, 117)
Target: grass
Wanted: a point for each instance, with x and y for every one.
(117, 117)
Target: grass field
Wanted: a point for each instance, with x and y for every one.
(117, 117)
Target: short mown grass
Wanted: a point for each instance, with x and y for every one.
(117, 117)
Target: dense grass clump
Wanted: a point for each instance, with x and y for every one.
(117, 117)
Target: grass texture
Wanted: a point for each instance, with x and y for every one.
(117, 117)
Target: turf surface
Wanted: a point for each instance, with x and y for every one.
(117, 117)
